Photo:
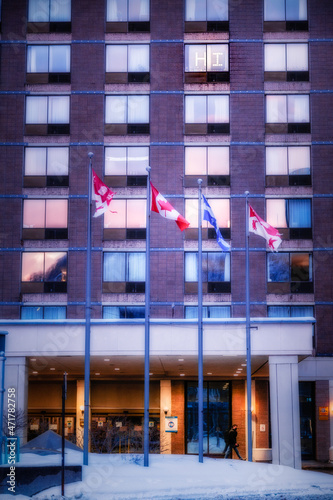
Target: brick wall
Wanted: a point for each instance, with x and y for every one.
(178, 409)
(262, 413)
(322, 426)
(238, 414)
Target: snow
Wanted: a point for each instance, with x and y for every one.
(172, 477)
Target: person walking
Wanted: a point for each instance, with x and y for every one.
(232, 443)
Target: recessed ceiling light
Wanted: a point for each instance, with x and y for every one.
(181, 359)
(244, 364)
(97, 373)
(117, 369)
(106, 359)
(35, 373)
(182, 374)
(32, 359)
(151, 373)
(209, 373)
(52, 368)
(235, 374)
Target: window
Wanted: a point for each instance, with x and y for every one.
(124, 272)
(126, 221)
(288, 166)
(126, 114)
(281, 15)
(286, 62)
(127, 63)
(206, 15)
(127, 15)
(210, 163)
(289, 272)
(292, 217)
(44, 272)
(43, 312)
(47, 115)
(290, 311)
(123, 312)
(191, 312)
(126, 166)
(45, 219)
(287, 114)
(46, 16)
(48, 64)
(215, 272)
(207, 114)
(46, 166)
(206, 63)
(221, 209)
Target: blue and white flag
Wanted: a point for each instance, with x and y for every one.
(209, 216)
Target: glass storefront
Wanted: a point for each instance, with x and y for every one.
(307, 419)
(216, 420)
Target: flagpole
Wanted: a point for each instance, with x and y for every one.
(248, 331)
(147, 332)
(87, 330)
(200, 335)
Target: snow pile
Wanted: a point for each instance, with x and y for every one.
(172, 477)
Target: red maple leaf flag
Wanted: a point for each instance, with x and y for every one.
(101, 194)
(160, 205)
(258, 226)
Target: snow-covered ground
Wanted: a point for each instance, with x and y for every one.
(172, 477)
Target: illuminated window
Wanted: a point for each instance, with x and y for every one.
(44, 272)
(126, 221)
(281, 15)
(123, 312)
(206, 63)
(289, 273)
(288, 166)
(46, 166)
(126, 114)
(48, 64)
(221, 210)
(215, 272)
(127, 15)
(286, 62)
(288, 114)
(207, 114)
(209, 163)
(127, 63)
(124, 272)
(43, 312)
(47, 115)
(206, 15)
(49, 16)
(291, 216)
(45, 219)
(126, 166)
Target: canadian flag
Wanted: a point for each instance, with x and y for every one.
(160, 205)
(258, 226)
(101, 194)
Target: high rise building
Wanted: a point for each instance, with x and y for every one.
(235, 92)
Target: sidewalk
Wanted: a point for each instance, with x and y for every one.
(318, 466)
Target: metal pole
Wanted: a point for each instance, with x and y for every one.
(2, 390)
(248, 332)
(87, 331)
(200, 336)
(147, 332)
(64, 397)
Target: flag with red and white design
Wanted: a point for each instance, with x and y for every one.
(258, 226)
(101, 194)
(160, 205)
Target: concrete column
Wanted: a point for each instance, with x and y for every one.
(331, 419)
(285, 417)
(16, 377)
(165, 411)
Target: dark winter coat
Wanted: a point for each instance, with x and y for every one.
(232, 437)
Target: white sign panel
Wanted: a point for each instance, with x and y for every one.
(171, 424)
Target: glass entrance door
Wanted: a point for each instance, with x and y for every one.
(307, 417)
(216, 417)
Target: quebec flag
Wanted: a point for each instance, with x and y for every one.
(209, 216)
